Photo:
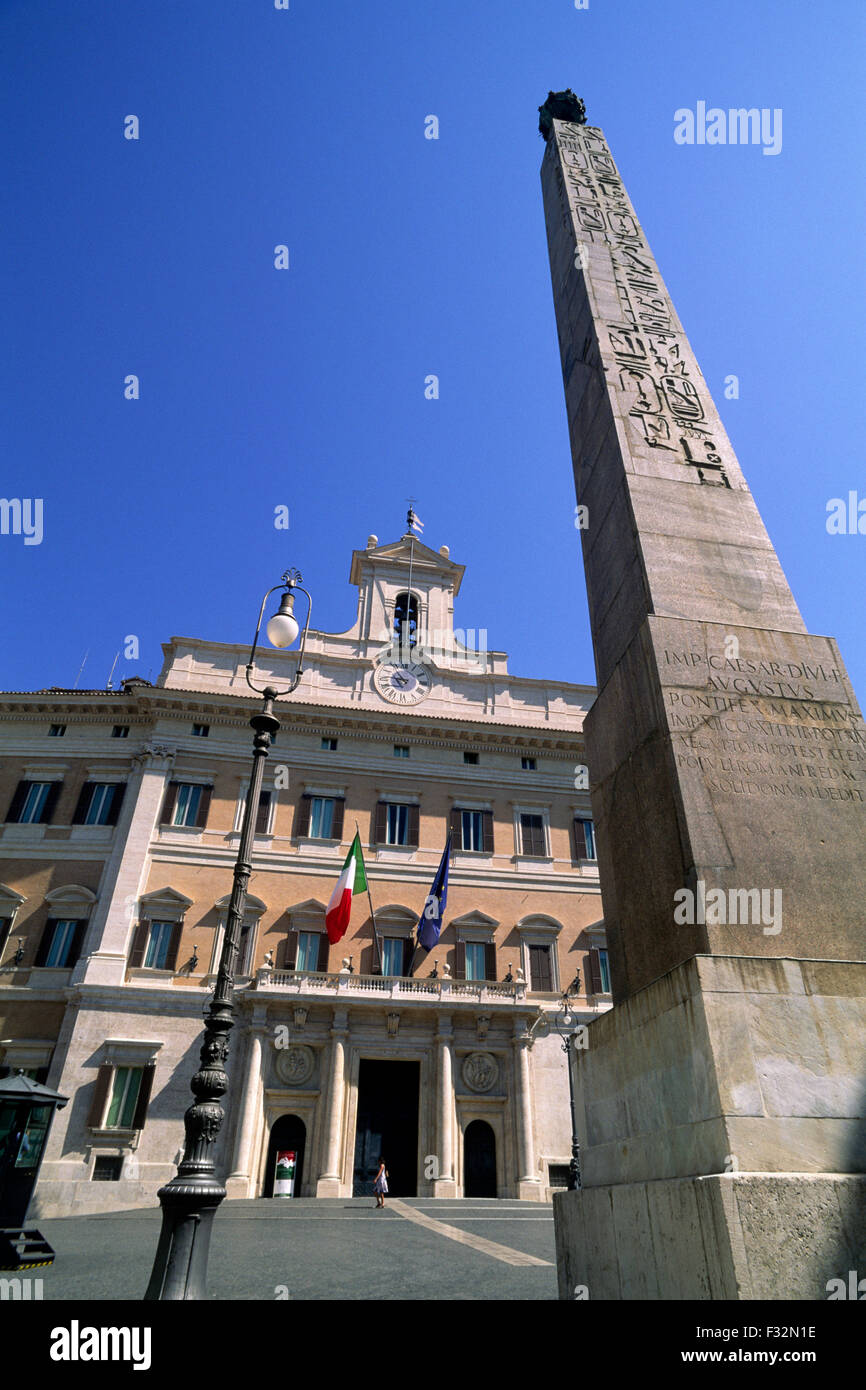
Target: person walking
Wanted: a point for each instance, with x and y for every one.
(380, 1184)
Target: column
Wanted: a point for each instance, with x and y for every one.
(330, 1181)
(103, 960)
(444, 1184)
(529, 1187)
(241, 1182)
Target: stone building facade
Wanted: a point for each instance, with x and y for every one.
(123, 812)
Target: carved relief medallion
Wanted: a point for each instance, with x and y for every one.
(480, 1071)
(295, 1064)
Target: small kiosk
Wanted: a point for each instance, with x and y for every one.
(26, 1111)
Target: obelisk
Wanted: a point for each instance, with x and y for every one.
(723, 1096)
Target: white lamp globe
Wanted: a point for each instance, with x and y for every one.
(282, 628)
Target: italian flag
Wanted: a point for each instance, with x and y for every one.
(351, 880)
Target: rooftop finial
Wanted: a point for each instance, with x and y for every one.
(560, 106)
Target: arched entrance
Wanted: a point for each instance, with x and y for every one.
(479, 1160)
(288, 1132)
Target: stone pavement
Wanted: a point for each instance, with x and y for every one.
(337, 1248)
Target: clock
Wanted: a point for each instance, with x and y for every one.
(402, 682)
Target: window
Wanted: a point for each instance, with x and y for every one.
(263, 815)
(604, 971)
(186, 803)
(107, 1168)
(121, 1097)
(61, 941)
(395, 950)
(329, 745)
(558, 1175)
(124, 1094)
(320, 817)
(120, 731)
(33, 803)
(308, 950)
(599, 971)
(201, 730)
(98, 803)
(532, 835)
(57, 731)
(528, 764)
(155, 944)
(406, 619)
(158, 945)
(472, 831)
(584, 838)
(476, 960)
(475, 963)
(471, 759)
(401, 750)
(540, 972)
(397, 824)
(5, 928)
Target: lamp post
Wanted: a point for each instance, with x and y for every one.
(189, 1202)
(563, 1023)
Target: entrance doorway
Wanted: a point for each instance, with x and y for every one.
(479, 1160)
(288, 1132)
(388, 1125)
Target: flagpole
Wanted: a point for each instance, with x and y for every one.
(404, 654)
(370, 901)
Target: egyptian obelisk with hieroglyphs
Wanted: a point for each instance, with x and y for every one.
(723, 1096)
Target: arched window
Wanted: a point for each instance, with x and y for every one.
(406, 619)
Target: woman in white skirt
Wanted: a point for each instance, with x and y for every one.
(380, 1185)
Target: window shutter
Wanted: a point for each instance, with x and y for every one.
(76, 944)
(460, 962)
(263, 813)
(539, 968)
(337, 823)
(83, 804)
(50, 803)
(144, 1090)
(116, 803)
(16, 805)
(324, 948)
(291, 950)
(408, 953)
(381, 822)
(456, 825)
(203, 807)
(414, 820)
(139, 944)
(173, 946)
(45, 942)
(100, 1096)
(302, 820)
(594, 972)
(489, 961)
(168, 804)
(487, 831)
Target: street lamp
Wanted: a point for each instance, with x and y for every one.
(189, 1202)
(563, 1022)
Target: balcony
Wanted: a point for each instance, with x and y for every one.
(321, 985)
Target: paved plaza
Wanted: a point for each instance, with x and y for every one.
(311, 1248)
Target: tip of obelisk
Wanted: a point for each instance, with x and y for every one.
(560, 106)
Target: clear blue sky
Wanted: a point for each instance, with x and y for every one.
(408, 257)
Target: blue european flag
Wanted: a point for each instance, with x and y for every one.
(430, 921)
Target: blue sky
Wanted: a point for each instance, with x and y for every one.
(408, 256)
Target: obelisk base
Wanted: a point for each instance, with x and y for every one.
(721, 1116)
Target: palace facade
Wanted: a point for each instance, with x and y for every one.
(122, 820)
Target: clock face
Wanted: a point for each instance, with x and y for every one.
(402, 682)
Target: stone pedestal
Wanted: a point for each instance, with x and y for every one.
(722, 1118)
